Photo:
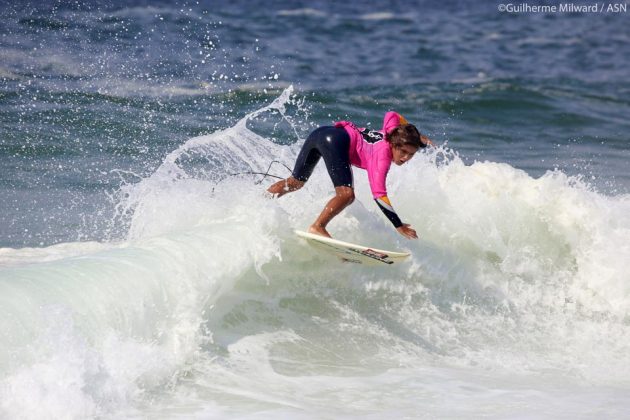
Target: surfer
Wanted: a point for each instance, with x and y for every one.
(344, 145)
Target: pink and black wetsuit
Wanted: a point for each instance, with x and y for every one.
(346, 144)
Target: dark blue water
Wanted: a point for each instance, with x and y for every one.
(93, 94)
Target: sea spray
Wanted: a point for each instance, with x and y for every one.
(130, 312)
(211, 296)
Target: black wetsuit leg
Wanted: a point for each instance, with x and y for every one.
(331, 143)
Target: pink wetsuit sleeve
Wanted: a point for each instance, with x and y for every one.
(377, 178)
(377, 175)
(392, 120)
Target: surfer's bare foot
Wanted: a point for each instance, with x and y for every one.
(318, 230)
(288, 185)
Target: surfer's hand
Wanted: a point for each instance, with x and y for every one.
(406, 231)
(427, 141)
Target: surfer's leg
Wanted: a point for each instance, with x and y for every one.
(304, 164)
(336, 153)
(334, 147)
(343, 198)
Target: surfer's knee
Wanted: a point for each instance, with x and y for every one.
(345, 193)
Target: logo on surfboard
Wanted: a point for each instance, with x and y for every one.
(374, 254)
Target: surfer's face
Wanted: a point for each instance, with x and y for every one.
(403, 154)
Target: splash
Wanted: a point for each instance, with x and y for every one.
(514, 279)
(191, 172)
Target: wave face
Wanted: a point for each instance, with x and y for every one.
(516, 295)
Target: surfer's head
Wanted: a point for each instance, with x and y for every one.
(405, 141)
(403, 154)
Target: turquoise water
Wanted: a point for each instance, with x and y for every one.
(139, 277)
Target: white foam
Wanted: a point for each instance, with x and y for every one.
(516, 296)
(306, 11)
(378, 16)
(15, 257)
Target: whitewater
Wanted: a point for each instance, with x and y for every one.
(515, 302)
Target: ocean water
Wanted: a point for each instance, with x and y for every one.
(144, 274)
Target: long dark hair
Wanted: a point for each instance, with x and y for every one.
(403, 135)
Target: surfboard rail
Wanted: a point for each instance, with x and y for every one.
(354, 253)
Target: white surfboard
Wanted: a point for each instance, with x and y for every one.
(353, 253)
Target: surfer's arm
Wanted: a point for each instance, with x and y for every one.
(386, 207)
(426, 140)
(403, 228)
(392, 120)
(377, 175)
